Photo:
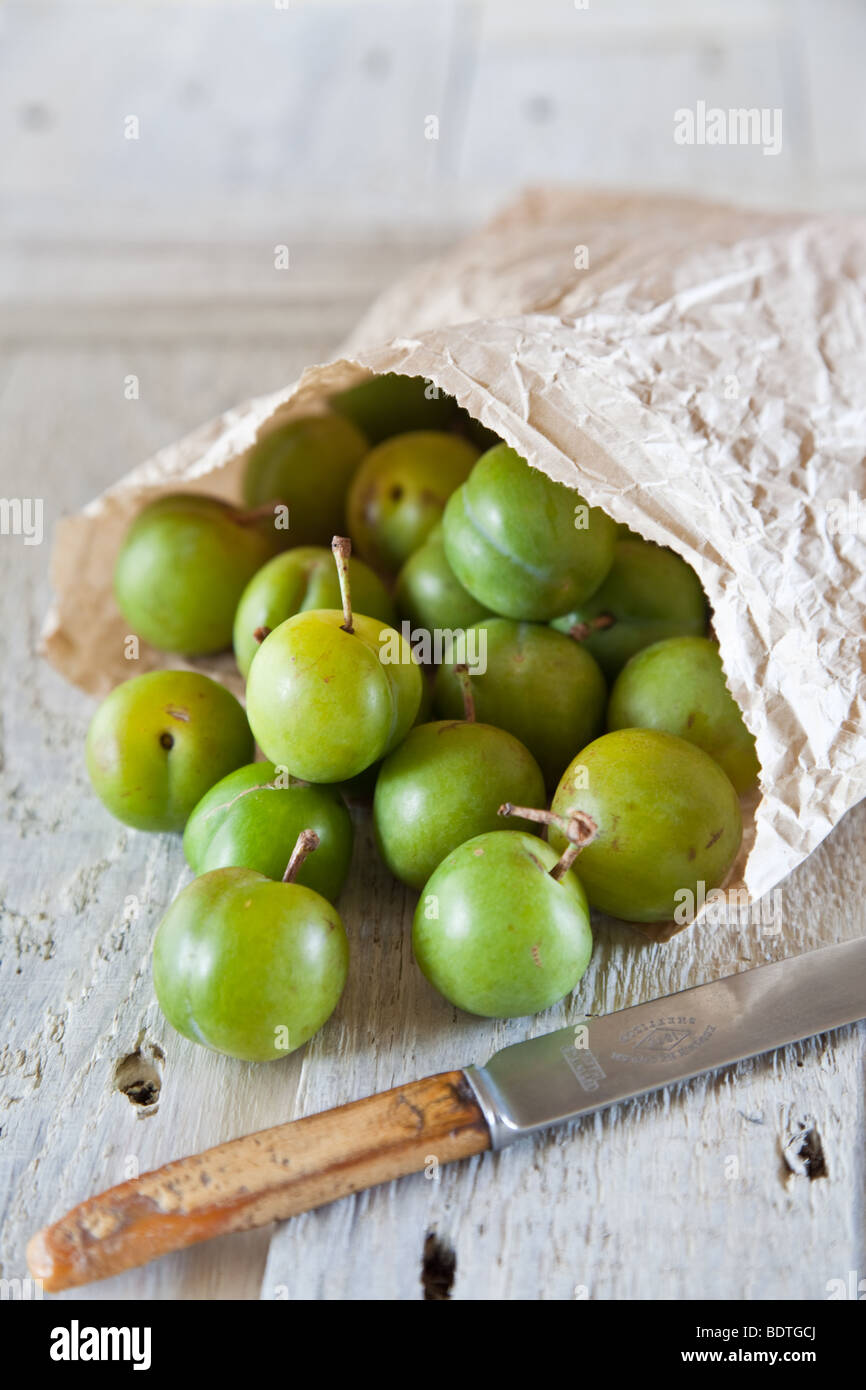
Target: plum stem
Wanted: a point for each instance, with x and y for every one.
(464, 680)
(341, 547)
(261, 633)
(580, 631)
(306, 842)
(578, 828)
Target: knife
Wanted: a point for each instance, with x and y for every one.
(526, 1087)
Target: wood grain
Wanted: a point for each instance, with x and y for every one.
(262, 1178)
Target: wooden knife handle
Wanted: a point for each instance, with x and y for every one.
(260, 1178)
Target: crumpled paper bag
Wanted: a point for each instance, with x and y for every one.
(698, 372)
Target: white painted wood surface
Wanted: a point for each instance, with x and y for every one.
(306, 127)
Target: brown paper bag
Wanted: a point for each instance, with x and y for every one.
(698, 372)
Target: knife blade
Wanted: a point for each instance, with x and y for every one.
(560, 1076)
(526, 1087)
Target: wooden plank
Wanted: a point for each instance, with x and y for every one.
(598, 108)
(250, 119)
(265, 124)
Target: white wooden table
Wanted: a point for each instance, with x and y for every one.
(155, 258)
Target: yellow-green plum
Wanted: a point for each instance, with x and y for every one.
(523, 545)
(428, 593)
(158, 742)
(295, 582)
(649, 594)
(253, 817)
(679, 686)
(330, 692)
(249, 967)
(541, 686)
(309, 464)
(496, 933)
(399, 493)
(442, 786)
(391, 404)
(667, 818)
(183, 565)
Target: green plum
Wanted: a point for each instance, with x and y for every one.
(249, 967)
(428, 593)
(331, 692)
(497, 933)
(541, 686)
(158, 742)
(668, 818)
(679, 686)
(247, 820)
(183, 565)
(295, 582)
(523, 545)
(442, 786)
(650, 593)
(309, 464)
(399, 493)
(390, 404)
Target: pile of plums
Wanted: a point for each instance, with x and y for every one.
(569, 744)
